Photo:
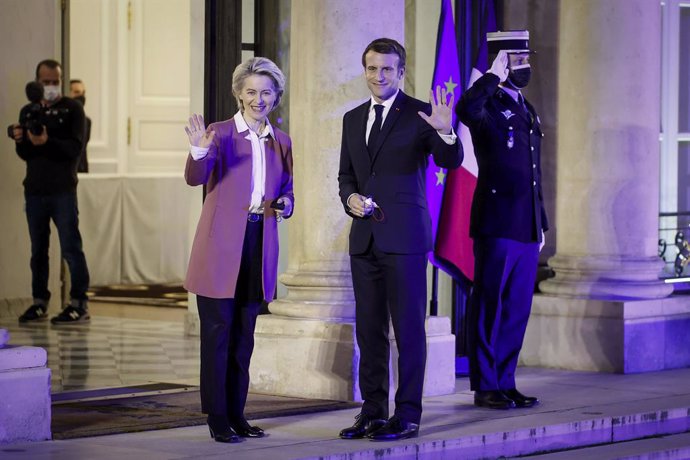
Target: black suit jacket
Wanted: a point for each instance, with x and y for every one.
(508, 200)
(395, 177)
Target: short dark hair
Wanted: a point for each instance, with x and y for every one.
(75, 80)
(50, 63)
(386, 46)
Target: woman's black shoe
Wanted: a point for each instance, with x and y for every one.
(220, 430)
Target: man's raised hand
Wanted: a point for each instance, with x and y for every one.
(441, 117)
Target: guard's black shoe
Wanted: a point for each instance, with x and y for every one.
(493, 399)
(364, 426)
(519, 399)
(395, 428)
(71, 314)
(36, 312)
(245, 430)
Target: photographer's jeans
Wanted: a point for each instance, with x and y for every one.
(62, 209)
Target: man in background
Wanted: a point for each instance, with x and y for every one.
(77, 92)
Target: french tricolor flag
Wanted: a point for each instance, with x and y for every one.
(459, 63)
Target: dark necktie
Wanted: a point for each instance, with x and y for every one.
(523, 106)
(375, 130)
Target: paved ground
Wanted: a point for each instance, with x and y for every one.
(601, 415)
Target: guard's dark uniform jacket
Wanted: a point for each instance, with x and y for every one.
(508, 199)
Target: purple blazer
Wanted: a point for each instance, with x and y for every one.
(226, 170)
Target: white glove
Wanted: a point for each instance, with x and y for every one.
(543, 241)
(500, 66)
(287, 210)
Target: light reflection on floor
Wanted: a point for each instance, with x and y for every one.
(121, 346)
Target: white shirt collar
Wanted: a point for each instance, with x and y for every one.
(242, 126)
(387, 104)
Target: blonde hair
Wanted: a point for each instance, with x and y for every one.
(257, 66)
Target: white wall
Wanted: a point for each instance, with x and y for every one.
(30, 33)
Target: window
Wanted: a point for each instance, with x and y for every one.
(674, 220)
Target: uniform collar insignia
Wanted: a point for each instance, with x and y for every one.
(507, 114)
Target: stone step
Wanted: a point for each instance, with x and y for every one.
(524, 435)
(672, 447)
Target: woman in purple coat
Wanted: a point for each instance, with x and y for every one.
(246, 165)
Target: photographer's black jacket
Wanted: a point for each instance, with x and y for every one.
(52, 168)
(508, 201)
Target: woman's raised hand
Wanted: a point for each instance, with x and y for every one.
(198, 135)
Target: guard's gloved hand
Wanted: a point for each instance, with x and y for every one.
(500, 66)
(543, 241)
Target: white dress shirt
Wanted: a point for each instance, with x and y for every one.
(258, 142)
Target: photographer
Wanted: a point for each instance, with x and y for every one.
(49, 139)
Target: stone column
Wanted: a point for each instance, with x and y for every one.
(607, 204)
(608, 151)
(306, 347)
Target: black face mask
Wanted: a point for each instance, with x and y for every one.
(81, 99)
(519, 78)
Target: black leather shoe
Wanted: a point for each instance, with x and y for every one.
(245, 430)
(364, 426)
(493, 399)
(521, 400)
(220, 429)
(395, 428)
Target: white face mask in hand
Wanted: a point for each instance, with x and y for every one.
(51, 93)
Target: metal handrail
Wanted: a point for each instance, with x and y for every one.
(681, 259)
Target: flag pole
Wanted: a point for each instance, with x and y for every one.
(433, 302)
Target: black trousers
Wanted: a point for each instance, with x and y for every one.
(390, 286)
(62, 209)
(504, 276)
(227, 334)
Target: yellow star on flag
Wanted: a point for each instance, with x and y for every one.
(450, 86)
(440, 177)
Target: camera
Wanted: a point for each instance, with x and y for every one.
(32, 116)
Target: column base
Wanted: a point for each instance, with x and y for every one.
(319, 359)
(606, 277)
(624, 336)
(192, 324)
(24, 395)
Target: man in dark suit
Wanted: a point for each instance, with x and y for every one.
(386, 143)
(507, 219)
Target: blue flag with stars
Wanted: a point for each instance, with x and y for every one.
(447, 75)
